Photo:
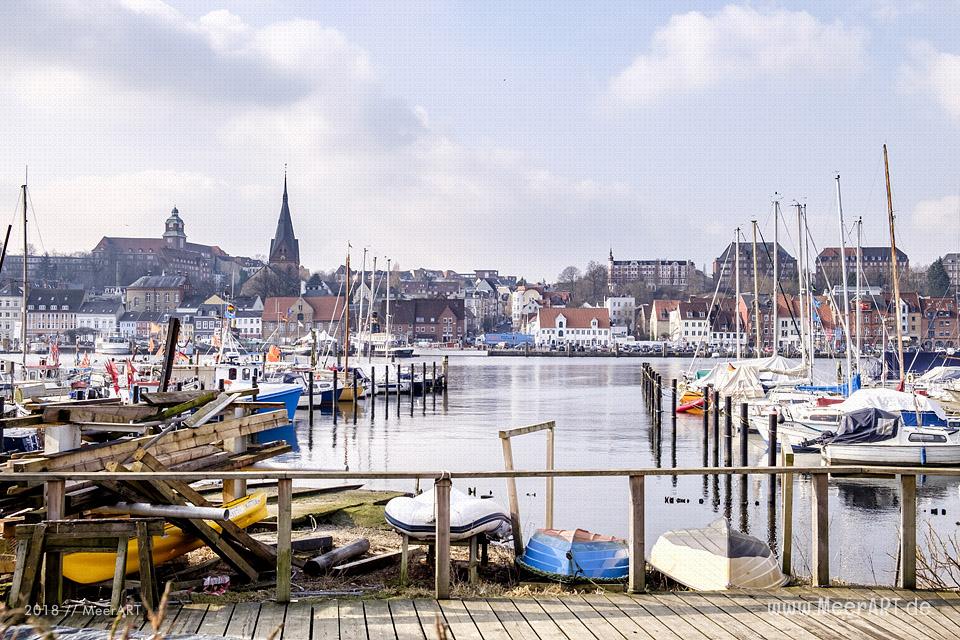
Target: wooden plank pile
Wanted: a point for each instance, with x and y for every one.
(178, 431)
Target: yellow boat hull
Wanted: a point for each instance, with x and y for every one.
(87, 567)
(347, 394)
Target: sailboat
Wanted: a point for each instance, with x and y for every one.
(350, 374)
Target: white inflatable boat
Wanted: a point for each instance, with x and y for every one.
(468, 516)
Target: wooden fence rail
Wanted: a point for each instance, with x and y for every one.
(819, 539)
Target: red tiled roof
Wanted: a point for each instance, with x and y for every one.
(576, 318)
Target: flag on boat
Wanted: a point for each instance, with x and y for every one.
(230, 312)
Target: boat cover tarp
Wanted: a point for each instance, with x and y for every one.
(835, 388)
(866, 425)
(772, 371)
(939, 375)
(891, 401)
(469, 516)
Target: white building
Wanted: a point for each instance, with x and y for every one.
(623, 312)
(659, 325)
(689, 323)
(249, 323)
(554, 328)
(11, 304)
(101, 317)
(523, 302)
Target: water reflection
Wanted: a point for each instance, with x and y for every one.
(602, 423)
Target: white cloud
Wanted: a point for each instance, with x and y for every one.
(936, 74)
(694, 51)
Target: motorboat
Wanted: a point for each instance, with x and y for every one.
(572, 556)
(877, 437)
(717, 558)
(114, 345)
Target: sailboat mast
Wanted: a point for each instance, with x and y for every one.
(23, 322)
(756, 293)
(846, 292)
(858, 290)
(736, 304)
(894, 266)
(776, 274)
(801, 267)
(373, 297)
(363, 279)
(346, 327)
(811, 334)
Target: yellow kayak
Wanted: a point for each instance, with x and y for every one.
(87, 567)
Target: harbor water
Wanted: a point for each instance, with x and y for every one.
(601, 423)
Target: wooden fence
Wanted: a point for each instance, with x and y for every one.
(55, 482)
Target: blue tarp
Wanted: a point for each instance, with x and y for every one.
(510, 339)
(834, 388)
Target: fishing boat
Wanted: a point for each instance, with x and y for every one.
(88, 567)
(469, 516)
(716, 558)
(877, 437)
(576, 556)
(113, 345)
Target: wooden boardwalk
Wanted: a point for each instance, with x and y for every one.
(787, 614)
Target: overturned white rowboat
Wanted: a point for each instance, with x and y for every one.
(469, 516)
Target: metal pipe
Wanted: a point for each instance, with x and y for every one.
(167, 511)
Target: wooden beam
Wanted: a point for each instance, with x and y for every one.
(512, 496)
(207, 412)
(638, 560)
(548, 507)
(786, 554)
(442, 536)
(93, 457)
(820, 537)
(519, 431)
(908, 531)
(284, 551)
(174, 411)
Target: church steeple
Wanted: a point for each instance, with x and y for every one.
(285, 248)
(173, 232)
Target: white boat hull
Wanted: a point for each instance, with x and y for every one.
(901, 455)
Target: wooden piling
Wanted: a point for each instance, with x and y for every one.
(412, 387)
(820, 537)
(908, 531)
(772, 441)
(442, 571)
(673, 398)
(446, 371)
(637, 576)
(716, 428)
(728, 431)
(386, 390)
(336, 398)
(310, 396)
(355, 398)
(744, 432)
(433, 386)
(707, 392)
(423, 391)
(786, 551)
(284, 548)
(398, 389)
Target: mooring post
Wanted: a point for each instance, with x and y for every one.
(310, 395)
(442, 534)
(413, 381)
(398, 388)
(423, 389)
(638, 573)
(716, 428)
(786, 554)
(744, 432)
(707, 392)
(908, 531)
(728, 431)
(355, 399)
(336, 397)
(386, 390)
(820, 537)
(772, 442)
(673, 398)
(284, 547)
(446, 372)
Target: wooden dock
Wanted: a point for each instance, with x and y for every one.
(786, 614)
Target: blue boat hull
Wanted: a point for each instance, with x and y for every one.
(289, 396)
(564, 560)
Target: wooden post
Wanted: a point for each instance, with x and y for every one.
(354, 396)
(786, 554)
(728, 431)
(423, 388)
(398, 390)
(772, 440)
(908, 531)
(442, 572)
(386, 390)
(336, 398)
(820, 537)
(373, 391)
(284, 549)
(53, 564)
(716, 428)
(548, 507)
(707, 392)
(512, 496)
(673, 398)
(412, 381)
(433, 384)
(446, 370)
(744, 432)
(169, 352)
(638, 577)
(234, 489)
(310, 395)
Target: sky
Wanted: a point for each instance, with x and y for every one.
(523, 137)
